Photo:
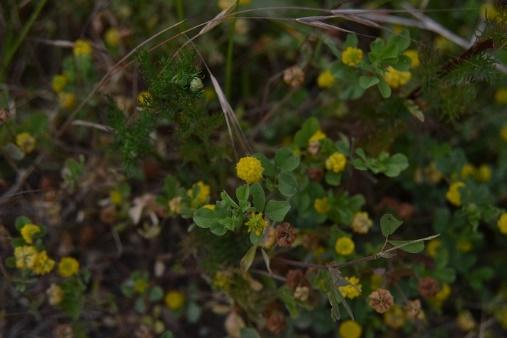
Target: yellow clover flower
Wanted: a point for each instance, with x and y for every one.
(442, 294)
(453, 194)
(336, 162)
(464, 245)
(66, 100)
(352, 289)
(344, 246)
(175, 205)
(395, 317)
(433, 247)
(413, 55)
(27, 232)
(68, 267)
(256, 223)
(115, 197)
(317, 136)
(112, 37)
(82, 48)
(58, 82)
(42, 264)
(350, 329)
(202, 194)
(55, 294)
(396, 78)
(352, 56)
(501, 96)
(326, 79)
(249, 169)
(25, 142)
(502, 223)
(468, 170)
(144, 97)
(361, 222)
(321, 205)
(174, 300)
(483, 174)
(465, 321)
(25, 256)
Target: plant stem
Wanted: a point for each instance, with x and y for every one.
(229, 64)
(9, 53)
(180, 9)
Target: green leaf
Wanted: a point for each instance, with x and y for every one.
(242, 193)
(156, 294)
(258, 196)
(248, 332)
(384, 89)
(333, 179)
(276, 210)
(205, 218)
(167, 334)
(287, 184)
(286, 160)
(395, 165)
(367, 81)
(248, 258)
(193, 312)
(409, 246)
(307, 130)
(389, 224)
(21, 221)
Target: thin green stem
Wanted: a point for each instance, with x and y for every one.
(230, 54)
(9, 53)
(180, 9)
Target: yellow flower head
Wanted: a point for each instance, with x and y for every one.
(453, 194)
(352, 56)
(222, 280)
(66, 100)
(501, 96)
(464, 245)
(42, 264)
(58, 82)
(502, 223)
(256, 223)
(68, 267)
(112, 37)
(336, 162)
(350, 329)
(25, 142)
(224, 4)
(25, 256)
(352, 289)
(174, 300)
(344, 246)
(143, 98)
(55, 294)
(209, 206)
(27, 232)
(468, 170)
(465, 321)
(395, 317)
(483, 174)
(433, 247)
(203, 192)
(361, 222)
(443, 294)
(316, 137)
(175, 205)
(489, 11)
(321, 205)
(396, 78)
(82, 48)
(326, 79)
(413, 55)
(115, 197)
(249, 169)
